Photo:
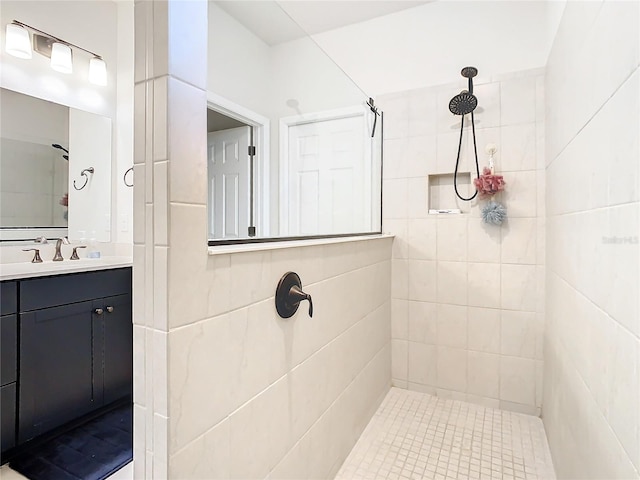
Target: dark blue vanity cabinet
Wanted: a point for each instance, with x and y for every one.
(8, 363)
(75, 347)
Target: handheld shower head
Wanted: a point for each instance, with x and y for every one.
(463, 103)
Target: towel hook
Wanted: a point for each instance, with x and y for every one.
(86, 177)
(124, 177)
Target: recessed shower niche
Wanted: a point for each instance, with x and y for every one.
(442, 196)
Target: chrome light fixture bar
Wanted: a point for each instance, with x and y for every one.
(59, 51)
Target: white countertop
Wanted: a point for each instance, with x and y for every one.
(13, 271)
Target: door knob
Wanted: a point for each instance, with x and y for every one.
(98, 311)
(110, 309)
(289, 294)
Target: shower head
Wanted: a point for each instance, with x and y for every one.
(466, 102)
(463, 103)
(469, 72)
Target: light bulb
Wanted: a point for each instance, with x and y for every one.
(61, 58)
(17, 42)
(97, 71)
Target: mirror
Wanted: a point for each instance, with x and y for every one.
(290, 145)
(44, 147)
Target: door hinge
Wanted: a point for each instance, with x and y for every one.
(252, 231)
(252, 150)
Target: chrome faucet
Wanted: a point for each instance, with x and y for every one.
(58, 256)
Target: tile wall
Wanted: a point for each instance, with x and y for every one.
(252, 395)
(591, 407)
(224, 388)
(467, 298)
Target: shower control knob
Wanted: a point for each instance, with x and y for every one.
(289, 294)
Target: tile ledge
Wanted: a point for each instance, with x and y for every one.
(258, 247)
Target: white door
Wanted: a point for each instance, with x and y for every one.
(228, 172)
(329, 177)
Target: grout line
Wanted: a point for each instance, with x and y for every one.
(617, 89)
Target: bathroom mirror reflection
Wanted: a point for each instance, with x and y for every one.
(44, 146)
(294, 149)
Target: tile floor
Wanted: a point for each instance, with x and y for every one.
(419, 436)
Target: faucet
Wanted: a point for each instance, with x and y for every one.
(58, 256)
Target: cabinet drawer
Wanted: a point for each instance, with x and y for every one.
(8, 348)
(47, 292)
(8, 298)
(8, 414)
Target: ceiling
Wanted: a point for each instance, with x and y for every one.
(272, 21)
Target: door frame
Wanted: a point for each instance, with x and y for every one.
(287, 122)
(261, 136)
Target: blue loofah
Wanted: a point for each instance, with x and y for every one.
(494, 213)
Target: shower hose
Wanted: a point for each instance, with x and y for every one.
(475, 151)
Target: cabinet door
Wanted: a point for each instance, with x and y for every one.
(55, 367)
(118, 347)
(8, 348)
(8, 416)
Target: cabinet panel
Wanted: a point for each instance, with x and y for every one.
(8, 298)
(118, 348)
(55, 367)
(8, 421)
(8, 348)
(36, 293)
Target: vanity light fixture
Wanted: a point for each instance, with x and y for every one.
(59, 51)
(61, 58)
(17, 41)
(97, 71)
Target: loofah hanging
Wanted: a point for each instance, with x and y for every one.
(494, 213)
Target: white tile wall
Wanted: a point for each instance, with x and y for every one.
(268, 381)
(592, 339)
(472, 290)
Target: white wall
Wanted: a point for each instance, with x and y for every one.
(238, 63)
(591, 407)
(467, 308)
(122, 199)
(283, 80)
(429, 44)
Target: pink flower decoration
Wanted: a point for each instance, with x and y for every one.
(488, 184)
